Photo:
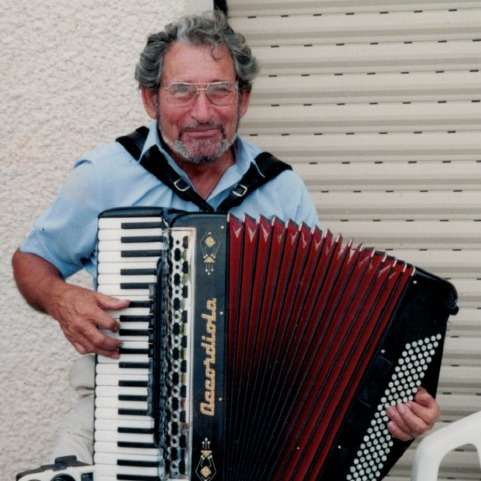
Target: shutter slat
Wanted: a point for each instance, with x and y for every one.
(365, 28)
(466, 323)
(461, 263)
(393, 57)
(387, 87)
(397, 234)
(452, 404)
(319, 119)
(460, 379)
(398, 205)
(462, 349)
(284, 7)
(434, 176)
(402, 146)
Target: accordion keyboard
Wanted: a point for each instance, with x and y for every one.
(124, 438)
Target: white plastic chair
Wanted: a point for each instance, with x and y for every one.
(433, 448)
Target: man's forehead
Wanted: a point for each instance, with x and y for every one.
(187, 62)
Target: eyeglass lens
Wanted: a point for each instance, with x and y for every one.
(218, 93)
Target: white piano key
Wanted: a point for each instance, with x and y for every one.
(141, 326)
(116, 267)
(113, 448)
(115, 437)
(122, 336)
(113, 415)
(116, 222)
(122, 373)
(117, 258)
(136, 344)
(115, 234)
(108, 458)
(111, 379)
(133, 310)
(117, 279)
(115, 403)
(111, 391)
(102, 424)
(119, 246)
(101, 470)
(116, 291)
(125, 358)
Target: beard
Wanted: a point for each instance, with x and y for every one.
(201, 151)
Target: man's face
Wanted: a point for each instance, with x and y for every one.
(201, 131)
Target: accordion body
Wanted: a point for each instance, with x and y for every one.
(257, 349)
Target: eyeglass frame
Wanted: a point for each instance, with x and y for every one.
(235, 84)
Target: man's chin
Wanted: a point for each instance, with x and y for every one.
(200, 154)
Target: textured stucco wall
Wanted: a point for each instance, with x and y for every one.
(67, 85)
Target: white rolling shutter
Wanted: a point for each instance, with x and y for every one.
(377, 105)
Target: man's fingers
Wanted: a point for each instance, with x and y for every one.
(111, 303)
(411, 423)
(97, 343)
(398, 433)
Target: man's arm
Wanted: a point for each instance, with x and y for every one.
(80, 312)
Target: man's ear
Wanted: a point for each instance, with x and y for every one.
(244, 103)
(150, 99)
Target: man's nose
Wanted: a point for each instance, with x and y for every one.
(201, 108)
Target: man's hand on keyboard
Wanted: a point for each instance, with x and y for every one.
(82, 314)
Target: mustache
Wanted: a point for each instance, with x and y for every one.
(196, 124)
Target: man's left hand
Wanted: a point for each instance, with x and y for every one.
(410, 420)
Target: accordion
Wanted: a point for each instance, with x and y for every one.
(257, 349)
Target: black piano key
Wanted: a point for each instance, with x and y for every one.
(133, 318)
(135, 285)
(136, 477)
(138, 272)
(142, 225)
(141, 304)
(126, 430)
(132, 412)
(127, 383)
(132, 350)
(134, 332)
(131, 397)
(134, 365)
(132, 444)
(142, 253)
(144, 239)
(140, 464)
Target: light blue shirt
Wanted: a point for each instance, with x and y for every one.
(66, 234)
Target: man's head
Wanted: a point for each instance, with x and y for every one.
(197, 122)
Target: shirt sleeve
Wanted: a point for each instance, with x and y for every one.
(66, 233)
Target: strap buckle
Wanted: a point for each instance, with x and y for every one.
(181, 185)
(240, 190)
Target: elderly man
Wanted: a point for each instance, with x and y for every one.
(195, 78)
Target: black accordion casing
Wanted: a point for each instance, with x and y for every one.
(275, 349)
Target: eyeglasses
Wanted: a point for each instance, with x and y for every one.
(182, 94)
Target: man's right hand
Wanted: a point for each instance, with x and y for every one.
(81, 313)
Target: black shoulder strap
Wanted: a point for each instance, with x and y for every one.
(268, 167)
(155, 162)
(134, 142)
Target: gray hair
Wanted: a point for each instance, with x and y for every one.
(210, 29)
